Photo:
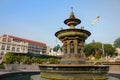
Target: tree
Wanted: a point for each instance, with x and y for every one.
(109, 50)
(9, 58)
(57, 47)
(26, 60)
(117, 43)
(93, 49)
(96, 50)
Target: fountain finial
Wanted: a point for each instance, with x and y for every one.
(72, 16)
(72, 21)
(71, 8)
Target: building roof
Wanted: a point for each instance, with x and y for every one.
(26, 40)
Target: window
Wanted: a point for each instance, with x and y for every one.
(9, 40)
(4, 39)
(8, 47)
(2, 53)
(13, 48)
(23, 49)
(3, 47)
(18, 49)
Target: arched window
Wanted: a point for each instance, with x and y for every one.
(13, 48)
(4, 39)
(8, 47)
(23, 49)
(18, 49)
(9, 40)
(3, 47)
(2, 53)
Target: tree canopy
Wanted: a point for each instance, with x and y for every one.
(109, 50)
(96, 49)
(57, 47)
(117, 43)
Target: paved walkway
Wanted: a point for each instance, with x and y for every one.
(114, 72)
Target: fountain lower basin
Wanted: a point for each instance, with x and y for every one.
(36, 76)
(74, 72)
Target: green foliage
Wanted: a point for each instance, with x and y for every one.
(56, 48)
(97, 56)
(90, 49)
(117, 43)
(26, 59)
(109, 50)
(9, 58)
(29, 58)
(2, 66)
(95, 49)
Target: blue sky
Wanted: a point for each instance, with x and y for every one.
(39, 19)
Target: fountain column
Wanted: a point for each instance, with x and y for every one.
(76, 47)
(68, 47)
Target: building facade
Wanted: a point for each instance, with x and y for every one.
(14, 44)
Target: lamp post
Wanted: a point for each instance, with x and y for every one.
(103, 52)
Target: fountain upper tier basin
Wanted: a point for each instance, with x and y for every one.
(75, 33)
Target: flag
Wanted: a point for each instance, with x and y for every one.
(96, 19)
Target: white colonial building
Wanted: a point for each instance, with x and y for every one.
(14, 44)
(58, 53)
(118, 50)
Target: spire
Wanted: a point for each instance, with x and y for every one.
(72, 21)
(72, 14)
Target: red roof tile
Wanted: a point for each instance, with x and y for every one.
(26, 40)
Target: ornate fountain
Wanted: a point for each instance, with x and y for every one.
(73, 65)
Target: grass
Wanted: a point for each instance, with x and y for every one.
(97, 60)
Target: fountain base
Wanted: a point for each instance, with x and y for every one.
(74, 72)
